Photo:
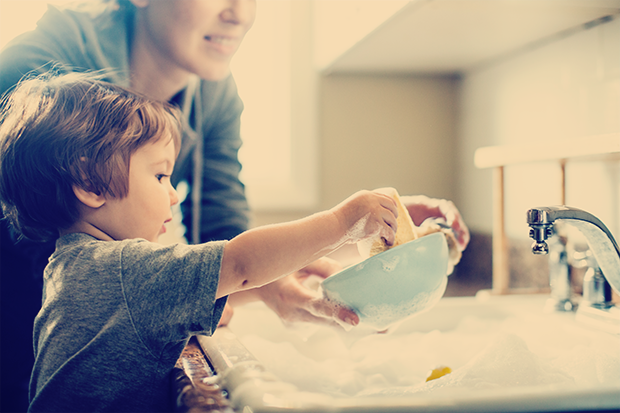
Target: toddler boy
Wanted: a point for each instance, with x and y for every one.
(91, 162)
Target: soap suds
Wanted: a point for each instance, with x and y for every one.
(389, 265)
(485, 353)
(357, 232)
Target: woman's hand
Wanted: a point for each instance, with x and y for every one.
(294, 300)
(226, 315)
(421, 207)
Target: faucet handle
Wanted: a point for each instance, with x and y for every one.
(596, 289)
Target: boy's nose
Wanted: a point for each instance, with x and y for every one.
(174, 196)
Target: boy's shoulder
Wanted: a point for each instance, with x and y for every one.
(88, 249)
(133, 252)
(82, 240)
(86, 245)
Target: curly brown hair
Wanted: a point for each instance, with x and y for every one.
(58, 132)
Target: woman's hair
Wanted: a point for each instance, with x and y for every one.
(57, 132)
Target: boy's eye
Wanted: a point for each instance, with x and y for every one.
(161, 176)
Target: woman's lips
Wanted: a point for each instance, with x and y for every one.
(224, 44)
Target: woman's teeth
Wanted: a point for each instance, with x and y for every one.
(220, 40)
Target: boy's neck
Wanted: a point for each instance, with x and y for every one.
(86, 228)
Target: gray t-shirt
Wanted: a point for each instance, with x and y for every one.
(115, 318)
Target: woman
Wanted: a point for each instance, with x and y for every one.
(177, 51)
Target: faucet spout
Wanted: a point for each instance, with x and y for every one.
(600, 239)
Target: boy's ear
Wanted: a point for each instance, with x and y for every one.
(88, 198)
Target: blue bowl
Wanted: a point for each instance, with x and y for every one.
(395, 284)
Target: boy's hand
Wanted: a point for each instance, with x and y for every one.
(368, 214)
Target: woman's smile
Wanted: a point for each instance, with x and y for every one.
(223, 44)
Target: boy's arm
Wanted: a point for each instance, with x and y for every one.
(264, 254)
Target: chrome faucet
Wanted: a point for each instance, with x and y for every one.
(602, 245)
(601, 241)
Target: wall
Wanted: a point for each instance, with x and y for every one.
(568, 87)
(430, 128)
(377, 130)
(387, 131)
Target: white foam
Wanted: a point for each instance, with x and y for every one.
(391, 264)
(484, 353)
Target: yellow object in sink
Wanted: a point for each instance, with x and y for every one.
(439, 372)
